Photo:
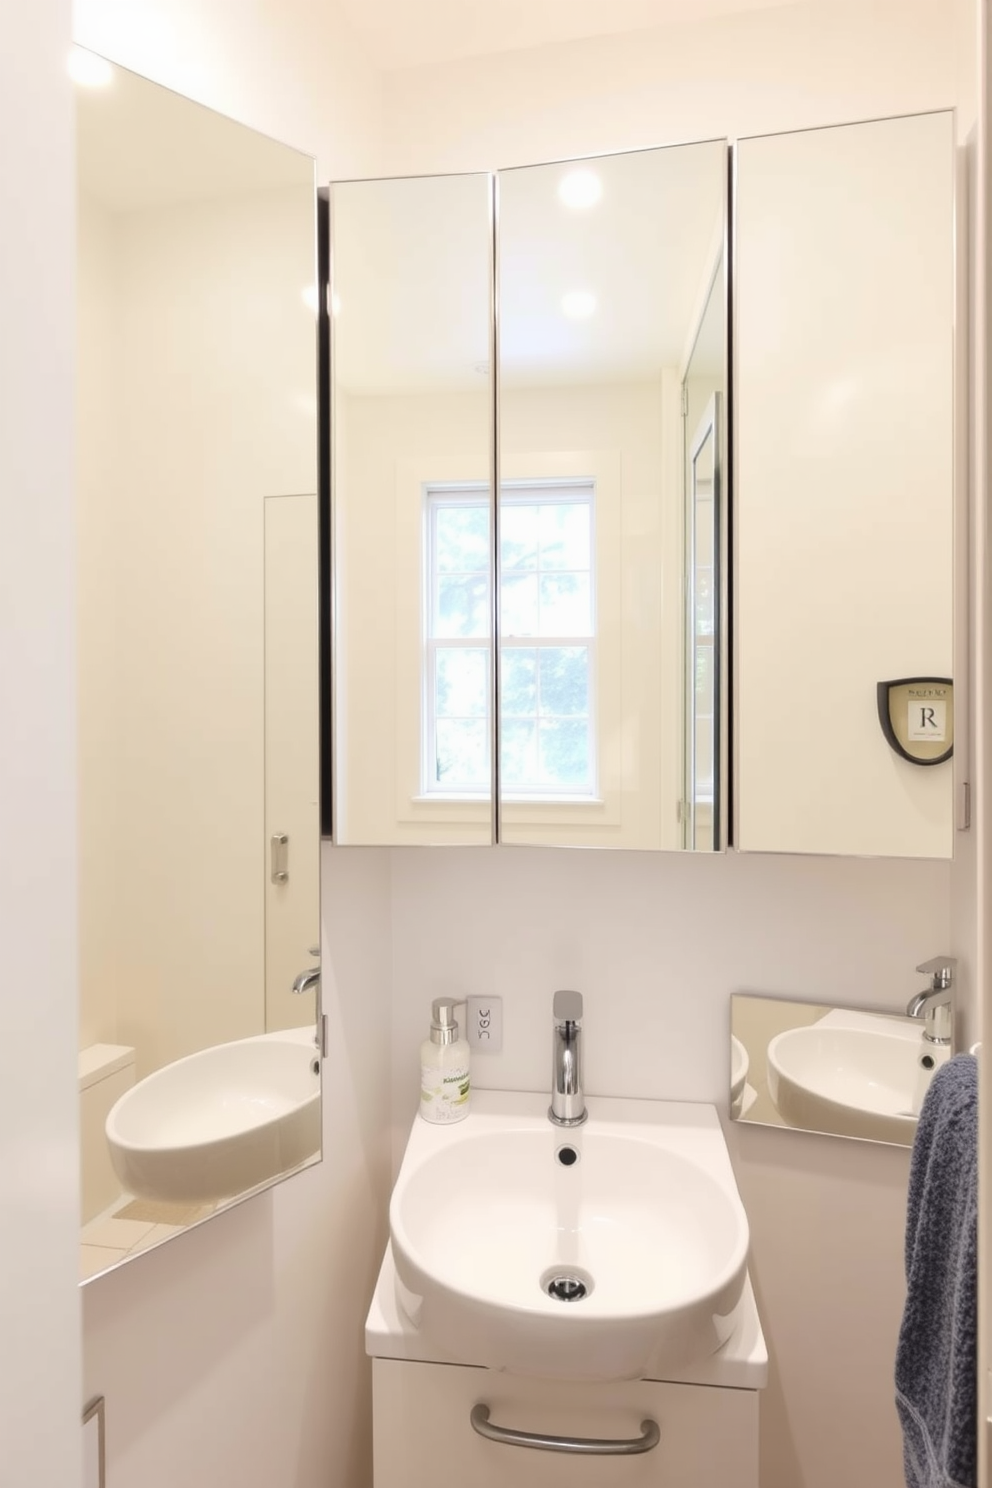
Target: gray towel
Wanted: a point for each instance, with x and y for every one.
(936, 1363)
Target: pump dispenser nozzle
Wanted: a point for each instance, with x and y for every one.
(444, 1027)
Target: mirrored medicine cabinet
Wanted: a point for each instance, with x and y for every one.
(578, 699)
(198, 634)
(559, 334)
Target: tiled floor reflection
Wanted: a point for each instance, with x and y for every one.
(130, 1225)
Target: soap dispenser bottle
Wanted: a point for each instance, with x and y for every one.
(444, 1059)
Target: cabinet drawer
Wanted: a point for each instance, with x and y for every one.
(709, 1437)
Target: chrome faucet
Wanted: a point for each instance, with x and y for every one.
(935, 1005)
(568, 1103)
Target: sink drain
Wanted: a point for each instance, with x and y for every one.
(566, 1286)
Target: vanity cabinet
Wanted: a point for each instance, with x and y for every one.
(422, 1432)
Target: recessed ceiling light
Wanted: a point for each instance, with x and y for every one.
(579, 304)
(580, 189)
(89, 70)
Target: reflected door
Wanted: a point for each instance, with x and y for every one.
(701, 805)
(292, 865)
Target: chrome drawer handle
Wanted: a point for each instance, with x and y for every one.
(591, 1446)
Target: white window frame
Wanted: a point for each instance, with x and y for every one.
(538, 491)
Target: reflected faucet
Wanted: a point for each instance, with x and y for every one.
(310, 977)
(568, 1103)
(935, 1004)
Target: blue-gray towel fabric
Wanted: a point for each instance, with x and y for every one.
(936, 1359)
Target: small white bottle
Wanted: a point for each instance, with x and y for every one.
(444, 1060)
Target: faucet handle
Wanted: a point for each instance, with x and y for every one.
(941, 969)
(567, 1007)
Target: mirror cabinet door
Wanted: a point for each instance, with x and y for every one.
(412, 441)
(844, 295)
(612, 338)
(197, 621)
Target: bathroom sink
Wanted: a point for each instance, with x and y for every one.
(601, 1252)
(853, 1077)
(219, 1122)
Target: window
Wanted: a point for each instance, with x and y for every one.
(548, 641)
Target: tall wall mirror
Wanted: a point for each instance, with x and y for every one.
(198, 748)
(844, 493)
(608, 430)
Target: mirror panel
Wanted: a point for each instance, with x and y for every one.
(196, 478)
(412, 414)
(842, 1072)
(612, 336)
(844, 295)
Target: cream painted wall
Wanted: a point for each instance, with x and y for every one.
(394, 444)
(40, 1399)
(788, 67)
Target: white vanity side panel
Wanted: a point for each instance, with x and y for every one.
(844, 481)
(709, 1437)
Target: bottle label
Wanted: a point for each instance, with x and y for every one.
(444, 1093)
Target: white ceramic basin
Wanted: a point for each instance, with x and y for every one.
(866, 1080)
(219, 1122)
(647, 1217)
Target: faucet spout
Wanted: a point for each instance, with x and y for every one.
(568, 1102)
(306, 980)
(935, 1005)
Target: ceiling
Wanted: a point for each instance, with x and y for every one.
(411, 264)
(412, 33)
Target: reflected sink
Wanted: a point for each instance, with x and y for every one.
(633, 1220)
(739, 1066)
(853, 1076)
(219, 1122)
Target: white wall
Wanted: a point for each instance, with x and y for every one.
(658, 944)
(40, 1399)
